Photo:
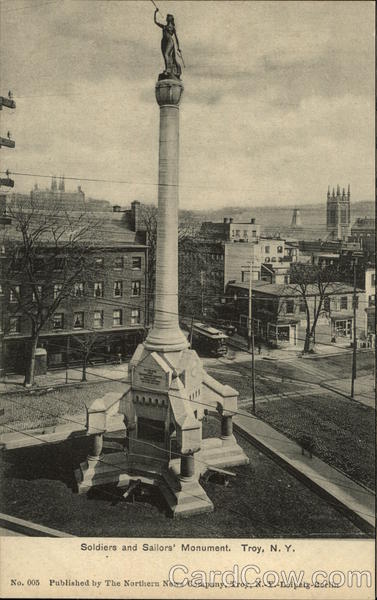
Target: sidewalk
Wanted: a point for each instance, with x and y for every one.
(56, 378)
(288, 352)
(356, 500)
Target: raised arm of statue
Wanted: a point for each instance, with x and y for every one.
(155, 20)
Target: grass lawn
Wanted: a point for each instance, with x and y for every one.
(262, 501)
(343, 430)
(41, 409)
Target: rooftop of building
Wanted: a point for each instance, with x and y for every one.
(291, 289)
(364, 223)
(100, 229)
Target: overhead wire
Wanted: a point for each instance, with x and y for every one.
(156, 184)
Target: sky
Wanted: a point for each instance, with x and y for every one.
(278, 101)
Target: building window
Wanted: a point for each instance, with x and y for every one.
(1, 290)
(39, 264)
(78, 290)
(135, 288)
(98, 319)
(58, 263)
(280, 249)
(273, 259)
(78, 320)
(136, 262)
(98, 261)
(343, 328)
(58, 321)
(57, 290)
(253, 233)
(118, 262)
(289, 306)
(2, 249)
(372, 300)
(37, 291)
(117, 317)
(302, 306)
(98, 289)
(118, 288)
(14, 293)
(135, 316)
(283, 333)
(238, 231)
(17, 264)
(267, 249)
(14, 325)
(373, 279)
(245, 233)
(326, 304)
(343, 303)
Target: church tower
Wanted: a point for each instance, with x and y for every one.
(338, 213)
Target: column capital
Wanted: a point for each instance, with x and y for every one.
(169, 92)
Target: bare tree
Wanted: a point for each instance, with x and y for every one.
(148, 223)
(313, 284)
(41, 241)
(187, 231)
(84, 345)
(200, 277)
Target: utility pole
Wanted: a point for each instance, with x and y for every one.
(202, 290)
(250, 336)
(249, 321)
(354, 343)
(67, 359)
(191, 330)
(9, 103)
(4, 220)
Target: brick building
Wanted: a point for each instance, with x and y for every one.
(364, 231)
(110, 305)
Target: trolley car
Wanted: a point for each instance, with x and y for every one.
(208, 341)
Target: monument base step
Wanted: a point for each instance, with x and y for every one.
(190, 499)
(111, 468)
(228, 454)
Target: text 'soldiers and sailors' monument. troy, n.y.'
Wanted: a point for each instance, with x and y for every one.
(168, 391)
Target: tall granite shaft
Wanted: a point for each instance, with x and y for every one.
(165, 335)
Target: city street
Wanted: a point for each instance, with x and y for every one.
(292, 396)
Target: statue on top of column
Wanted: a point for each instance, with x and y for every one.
(169, 47)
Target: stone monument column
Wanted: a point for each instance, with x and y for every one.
(166, 335)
